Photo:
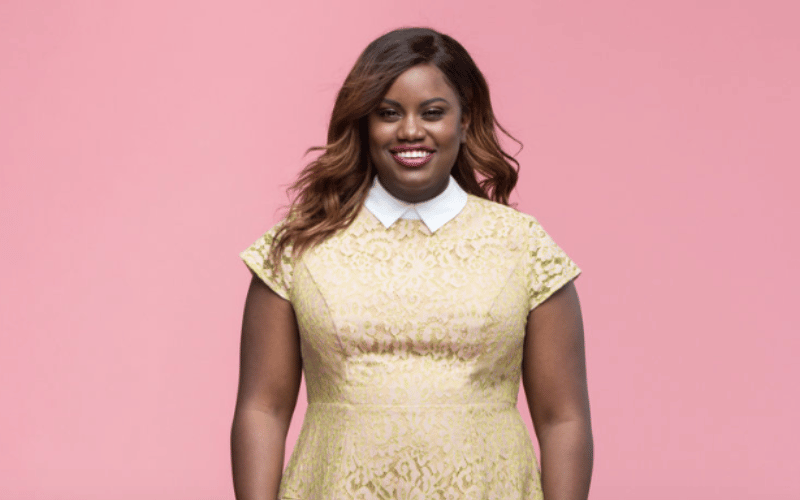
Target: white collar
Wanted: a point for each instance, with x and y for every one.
(435, 212)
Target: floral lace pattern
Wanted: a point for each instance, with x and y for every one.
(412, 352)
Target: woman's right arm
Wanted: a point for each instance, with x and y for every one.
(269, 381)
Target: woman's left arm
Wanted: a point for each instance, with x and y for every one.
(554, 377)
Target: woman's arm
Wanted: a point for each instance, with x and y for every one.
(554, 377)
(269, 381)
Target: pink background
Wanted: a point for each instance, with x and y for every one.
(144, 144)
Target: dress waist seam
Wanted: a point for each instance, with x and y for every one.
(416, 406)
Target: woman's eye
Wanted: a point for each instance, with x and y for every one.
(387, 113)
(433, 113)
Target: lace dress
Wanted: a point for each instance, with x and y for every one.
(411, 344)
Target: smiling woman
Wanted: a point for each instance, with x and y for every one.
(415, 300)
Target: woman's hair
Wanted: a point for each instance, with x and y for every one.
(331, 189)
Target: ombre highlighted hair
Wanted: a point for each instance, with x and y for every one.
(331, 189)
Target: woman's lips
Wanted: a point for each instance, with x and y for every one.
(413, 162)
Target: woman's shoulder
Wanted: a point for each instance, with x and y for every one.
(500, 214)
(518, 230)
(268, 236)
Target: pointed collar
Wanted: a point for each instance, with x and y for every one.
(434, 213)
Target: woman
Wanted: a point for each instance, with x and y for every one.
(414, 299)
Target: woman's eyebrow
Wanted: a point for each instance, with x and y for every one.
(424, 103)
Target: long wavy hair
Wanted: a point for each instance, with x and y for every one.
(331, 189)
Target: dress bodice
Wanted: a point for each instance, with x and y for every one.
(411, 344)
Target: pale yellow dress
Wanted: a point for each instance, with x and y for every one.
(412, 348)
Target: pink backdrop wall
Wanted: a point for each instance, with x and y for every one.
(144, 144)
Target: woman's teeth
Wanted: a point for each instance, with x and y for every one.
(413, 154)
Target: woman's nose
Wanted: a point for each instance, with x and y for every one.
(410, 129)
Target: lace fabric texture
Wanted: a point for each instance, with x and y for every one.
(412, 350)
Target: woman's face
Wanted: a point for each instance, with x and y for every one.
(415, 134)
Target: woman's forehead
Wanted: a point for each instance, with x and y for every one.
(421, 83)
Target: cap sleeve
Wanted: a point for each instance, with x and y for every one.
(549, 267)
(257, 258)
